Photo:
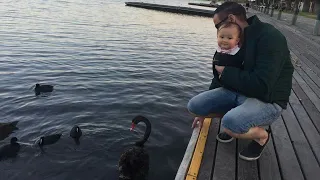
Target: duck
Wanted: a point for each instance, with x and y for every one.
(76, 133)
(7, 128)
(48, 140)
(10, 150)
(42, 88)
(134, 162)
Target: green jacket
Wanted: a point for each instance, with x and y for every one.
(267, 68)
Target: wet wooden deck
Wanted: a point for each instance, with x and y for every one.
(204, 5)
(172, 9)
(293, 152)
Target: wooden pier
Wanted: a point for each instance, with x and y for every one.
(172, 9)
(293, 152)
(204, 5)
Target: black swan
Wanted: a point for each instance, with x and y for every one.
(47, 140)
(134, 162)
(10, 150)
(76, 133)
(42, 88)
(7, 128)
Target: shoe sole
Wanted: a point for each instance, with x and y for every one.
(254, 158)
(224, 141)
(249, 159)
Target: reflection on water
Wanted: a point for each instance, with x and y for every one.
(108, 63)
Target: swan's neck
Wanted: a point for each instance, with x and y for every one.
(146, 133)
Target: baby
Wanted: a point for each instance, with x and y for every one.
(229, 39)
(228, 52)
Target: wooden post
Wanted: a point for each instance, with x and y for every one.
(266, 9)
(296, 12)
(316, 30)
(279, 14)
(281, 8)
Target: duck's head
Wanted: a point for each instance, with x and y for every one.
(13, 140)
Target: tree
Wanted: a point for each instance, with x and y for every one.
(317, 6)
(306, 6)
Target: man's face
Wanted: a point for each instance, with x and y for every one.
(218, 22)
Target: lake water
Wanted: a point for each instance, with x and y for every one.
(108, 63)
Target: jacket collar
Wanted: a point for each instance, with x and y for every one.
(253, 22)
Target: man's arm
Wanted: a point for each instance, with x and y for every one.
(215, 80)
(271, 53)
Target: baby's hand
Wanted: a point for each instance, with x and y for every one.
(219, 69)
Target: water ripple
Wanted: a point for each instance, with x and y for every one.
(108, 63)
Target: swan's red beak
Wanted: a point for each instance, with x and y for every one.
(132, 127)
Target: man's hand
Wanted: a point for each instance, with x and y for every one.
(197, 119)
(219, 69)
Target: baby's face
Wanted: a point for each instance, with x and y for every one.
(228, 38)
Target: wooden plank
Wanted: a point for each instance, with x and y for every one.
(300, 51)
(268, 164)
(207, 164)
(308, 65)
(307, 125)
(310, 83)
(288, 162)
(315, 78)
(183, 168)
(312, 96)
(310, 56)
(308, 162)
(308, 75)
(312, 111)
(246, 169)
(225, 164)
(309, 46)
(306, 61)
(198, 152)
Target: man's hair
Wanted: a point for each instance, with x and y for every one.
(231, 24)
(234, 8)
